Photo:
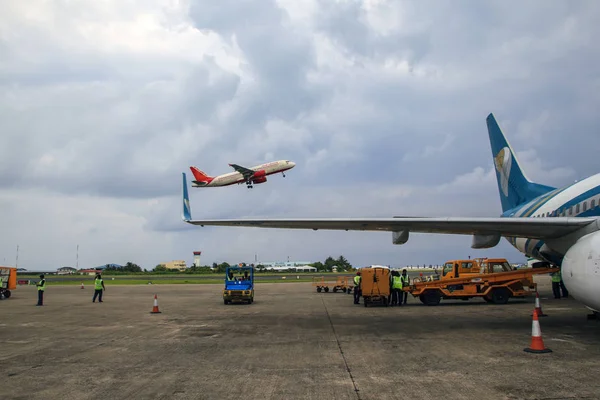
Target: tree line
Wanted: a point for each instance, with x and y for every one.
(340, 263)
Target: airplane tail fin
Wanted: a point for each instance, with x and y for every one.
(186, 213)
(513, 185)
(200, 177)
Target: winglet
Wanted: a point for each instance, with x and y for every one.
(186, 214)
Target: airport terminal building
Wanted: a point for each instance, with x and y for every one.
(296, 266)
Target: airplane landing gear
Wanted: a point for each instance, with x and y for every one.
(283, 173)
(249, 184)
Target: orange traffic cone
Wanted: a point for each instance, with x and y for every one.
(537, 344)
(82, 285)
(538, 308)
(155, 308)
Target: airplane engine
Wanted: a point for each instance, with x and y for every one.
(259, 174)
(581, 270)
(260, 179)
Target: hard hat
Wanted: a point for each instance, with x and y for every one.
(358, 273)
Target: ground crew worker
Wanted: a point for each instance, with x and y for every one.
(563, 288)
(396, 288)
(98, 286)
(405, 282)
(556, 278)
(41, 287)
(357, 291)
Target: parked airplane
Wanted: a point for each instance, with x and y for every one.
(558, 226)
(254, 175)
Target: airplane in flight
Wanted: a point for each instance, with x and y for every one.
(252, 176)
(558, 226)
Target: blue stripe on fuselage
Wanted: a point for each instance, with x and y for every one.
(528, 209)
(537, 204)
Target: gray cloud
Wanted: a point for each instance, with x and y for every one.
(382, 107)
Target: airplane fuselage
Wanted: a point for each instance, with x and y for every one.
(579, 253)
(233, 178)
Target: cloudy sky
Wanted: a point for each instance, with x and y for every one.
(381, 104)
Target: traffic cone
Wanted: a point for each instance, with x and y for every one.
(538, 308)
(82, 285)
(537, 344)
(155, 308)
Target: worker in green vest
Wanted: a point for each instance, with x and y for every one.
(556, 278)
(405, 282)
(396, 288)
(357, 291)
(98, 287)
(41, 287)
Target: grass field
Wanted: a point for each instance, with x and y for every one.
(164, 281)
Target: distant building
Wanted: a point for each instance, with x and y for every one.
(176, 264)
(197, 258)
(88, 271)
(66, 271)
(296, 266)
(288, 264)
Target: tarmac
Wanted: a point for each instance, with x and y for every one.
(291, 343)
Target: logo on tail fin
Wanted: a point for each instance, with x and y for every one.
(503, 163)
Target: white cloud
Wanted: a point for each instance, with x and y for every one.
(381, 104)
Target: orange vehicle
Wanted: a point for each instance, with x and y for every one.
(342, 283)
(8, 281)
(492, 279)
(375, 284)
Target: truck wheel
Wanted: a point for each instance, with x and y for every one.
(431, 298)
(326, 289)
(6, 294)
(319, 289)
(500, 296)
(344, 290)
(225, 302)
(334, 290)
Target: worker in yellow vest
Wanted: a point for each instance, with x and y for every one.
(357, 291)
(405, 282)
(98, 287)
(41, 287)
(556, 278)
(396, 288)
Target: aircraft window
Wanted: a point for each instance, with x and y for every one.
(571, 210)
(577, 209)
(593, 204)
(584, 205)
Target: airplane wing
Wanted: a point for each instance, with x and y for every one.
(534, 228)
(542, 228)
(247, 172)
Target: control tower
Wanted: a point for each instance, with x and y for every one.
(197, 258)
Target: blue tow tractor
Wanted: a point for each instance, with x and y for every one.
(239, 284)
